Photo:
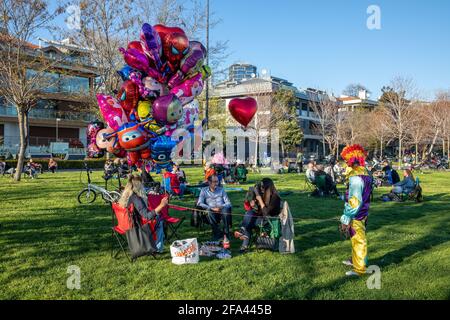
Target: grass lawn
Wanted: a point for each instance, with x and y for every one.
(44, 230)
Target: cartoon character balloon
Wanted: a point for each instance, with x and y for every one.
(161, 151)
(189, 89)
(93, 149)
(167, 109)
(175, 45)
(112, 111)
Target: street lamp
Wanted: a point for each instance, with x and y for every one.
(57, 120)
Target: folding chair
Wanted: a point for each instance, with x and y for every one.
(264, 237)
(308, 185)
(171, 224)
(124, 223)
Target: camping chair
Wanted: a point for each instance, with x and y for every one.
(308, 185)
(241, 174)
(171, 224)
(265, 235)
(124, 223)
(415, 195)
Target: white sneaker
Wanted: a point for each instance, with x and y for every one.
(351, 274)
(348, 263)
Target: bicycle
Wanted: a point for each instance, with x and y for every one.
(89, 194)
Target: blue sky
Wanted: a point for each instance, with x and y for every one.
(326, 43)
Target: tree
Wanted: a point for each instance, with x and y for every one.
(379, 127)
(106, 25)
(397, 101)
(437, 115)
(418, 128)
(326, 110)
(284, 117)
(353, 90)
(24, 70)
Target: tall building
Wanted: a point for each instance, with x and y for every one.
(241, 71)
(58, 115)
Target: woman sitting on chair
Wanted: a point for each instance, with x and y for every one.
(264, 201)
(407, 185)
(134, 194)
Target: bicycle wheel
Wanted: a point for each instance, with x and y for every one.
(87, 196)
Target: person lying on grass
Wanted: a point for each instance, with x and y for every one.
(134, 194)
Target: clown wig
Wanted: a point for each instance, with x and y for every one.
(354, 153)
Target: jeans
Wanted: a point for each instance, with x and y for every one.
(214, 219)
(159, 234)
(248, 223)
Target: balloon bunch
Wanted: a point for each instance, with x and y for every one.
(164, 72)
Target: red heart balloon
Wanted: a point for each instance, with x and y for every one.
(243, 109)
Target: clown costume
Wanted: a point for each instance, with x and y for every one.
(356, 208)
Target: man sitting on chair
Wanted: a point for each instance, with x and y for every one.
(214, 199)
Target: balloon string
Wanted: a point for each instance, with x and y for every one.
(182, 208)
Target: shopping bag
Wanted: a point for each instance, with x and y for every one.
(184, 251)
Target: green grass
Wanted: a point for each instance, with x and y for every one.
(44, 230)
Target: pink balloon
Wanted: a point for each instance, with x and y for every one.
(112, 111)
(137, 60)
(189, 89)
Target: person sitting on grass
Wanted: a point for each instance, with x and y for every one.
(215, 200)
(180, 173)
(407, 185)
(262, 201)
(134, 193)
(240, 172)
(311, 171)
(52, 165)
(209, 171)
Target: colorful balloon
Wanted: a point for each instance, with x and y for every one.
(128, 95)
(190, 114)
(243, 109)
(167, 109)
(136, 45)
(137, 60)
(151, 44)
(175, 44)
(124, 73)
(190, 64)
(93, 149)
(155, 86)
(112, 111)
(161, 153)
(189, 89)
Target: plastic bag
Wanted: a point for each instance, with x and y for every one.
(184, 251)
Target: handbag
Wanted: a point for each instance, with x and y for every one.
(140, 240)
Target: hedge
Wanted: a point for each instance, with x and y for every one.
(64, 164)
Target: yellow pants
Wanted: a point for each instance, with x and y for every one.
(359, 247)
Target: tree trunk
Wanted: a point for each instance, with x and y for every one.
(323, 144)
(433, 142)
(399, 153)
(23, 120)
(417, 154)
(381, 148)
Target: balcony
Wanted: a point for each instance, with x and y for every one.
(9, 111)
